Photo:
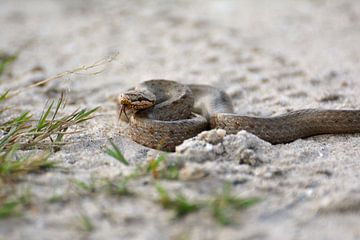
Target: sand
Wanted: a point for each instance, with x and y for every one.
(270, 56)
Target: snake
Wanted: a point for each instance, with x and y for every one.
(161, 114)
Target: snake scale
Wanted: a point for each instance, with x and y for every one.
(163, 113)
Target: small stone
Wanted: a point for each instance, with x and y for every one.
(221, 132)
(249, 157)
(191, 172)
(213, 136)
(330, 97)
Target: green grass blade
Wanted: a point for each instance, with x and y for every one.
(4, 96)
(58, 105)
(42, 121)
(6, 139)
(116, 153)
(84, 115)
(164, 195)
(8, 209)
(6, 59)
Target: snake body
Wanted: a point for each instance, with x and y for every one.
(181, 111)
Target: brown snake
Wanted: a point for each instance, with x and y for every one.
(164, 113)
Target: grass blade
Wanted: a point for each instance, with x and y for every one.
(42, 121)
(4, 96)
(8, 209)
(116, 153)
(5, 59)
(83, 115)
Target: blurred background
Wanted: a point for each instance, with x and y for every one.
(267, 45)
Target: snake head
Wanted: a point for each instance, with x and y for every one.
(135, 100)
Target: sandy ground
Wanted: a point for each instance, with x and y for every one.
(270, 56)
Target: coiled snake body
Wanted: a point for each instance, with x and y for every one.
(164, 113)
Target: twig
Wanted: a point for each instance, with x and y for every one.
(67, 73)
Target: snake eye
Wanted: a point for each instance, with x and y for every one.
(143, 99)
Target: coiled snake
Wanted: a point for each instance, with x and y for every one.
(164, 113)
